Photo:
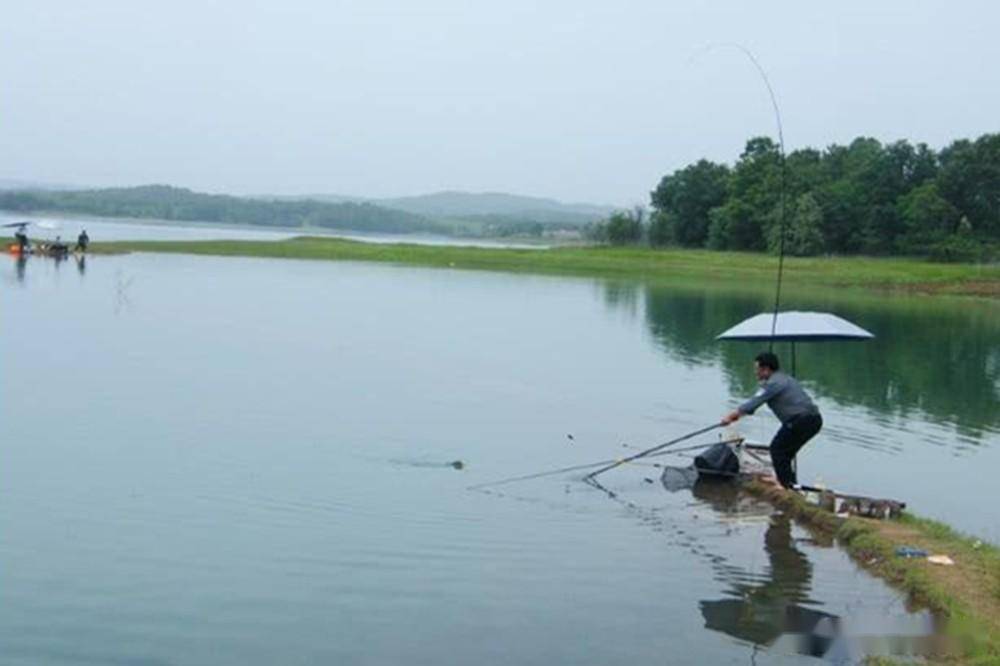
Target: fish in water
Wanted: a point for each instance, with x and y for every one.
(453, 464)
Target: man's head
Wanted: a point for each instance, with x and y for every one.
(766, 364)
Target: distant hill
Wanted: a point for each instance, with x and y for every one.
(480, 207)
(174, 203)
(484, 214)
(462, 204)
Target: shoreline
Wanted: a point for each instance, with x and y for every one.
(291, 231)
(894, 275)
(966, 595)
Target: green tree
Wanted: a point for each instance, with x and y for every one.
(864, 197)
(841, 202)
(661, 229)
(803, 232)
(806, 171)
(755, 190)
(970, 181)
(624, 227)
(928, 219)
(683, 199)
(889, 174)
(734, 226)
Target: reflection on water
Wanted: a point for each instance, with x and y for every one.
(56, 260)
(937, 358)
(775, 608)
(760, 609)
(757, 608)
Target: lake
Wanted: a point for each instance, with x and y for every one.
(248, 461)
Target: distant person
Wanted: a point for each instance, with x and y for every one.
(799, 416)
(22, 240)
(82, 241)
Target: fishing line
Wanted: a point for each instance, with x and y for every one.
(784, 171)
(613, 462)
(552, 472)
(538, 475)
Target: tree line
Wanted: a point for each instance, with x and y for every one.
(863, 198)
(174, 203)
(163, 202)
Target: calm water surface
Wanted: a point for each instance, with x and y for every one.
(238, 461)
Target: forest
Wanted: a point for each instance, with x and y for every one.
(865, 198)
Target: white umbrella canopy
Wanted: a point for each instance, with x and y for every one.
(796, 327)
(22, 225)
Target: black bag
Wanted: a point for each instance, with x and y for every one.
(718, 460)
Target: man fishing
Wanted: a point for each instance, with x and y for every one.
(799, 416)
(22, 240)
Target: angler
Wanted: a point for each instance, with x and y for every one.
(799, 416)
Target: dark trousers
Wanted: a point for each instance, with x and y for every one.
(791, 437)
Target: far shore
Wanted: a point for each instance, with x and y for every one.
(859, 273)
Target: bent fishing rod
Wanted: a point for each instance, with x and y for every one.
(782, 233)
(604, 464)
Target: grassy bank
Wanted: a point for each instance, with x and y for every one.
(966, 594)
(880, 274)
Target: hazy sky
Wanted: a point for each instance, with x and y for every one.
(578, 100)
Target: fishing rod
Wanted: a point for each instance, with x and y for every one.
(784, 178)
(784, 171)
(655, 451)
(658, 447)
(731, 440)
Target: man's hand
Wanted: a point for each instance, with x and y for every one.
(731, 417)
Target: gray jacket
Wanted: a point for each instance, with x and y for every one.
(784, 396)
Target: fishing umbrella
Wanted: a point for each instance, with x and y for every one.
(22, 225)
(795, 327)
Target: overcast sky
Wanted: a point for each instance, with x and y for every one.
(577, 100)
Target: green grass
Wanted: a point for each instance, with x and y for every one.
(967, 595)
(962, 547)
(864, 272)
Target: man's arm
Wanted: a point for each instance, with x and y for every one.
(766, 392)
